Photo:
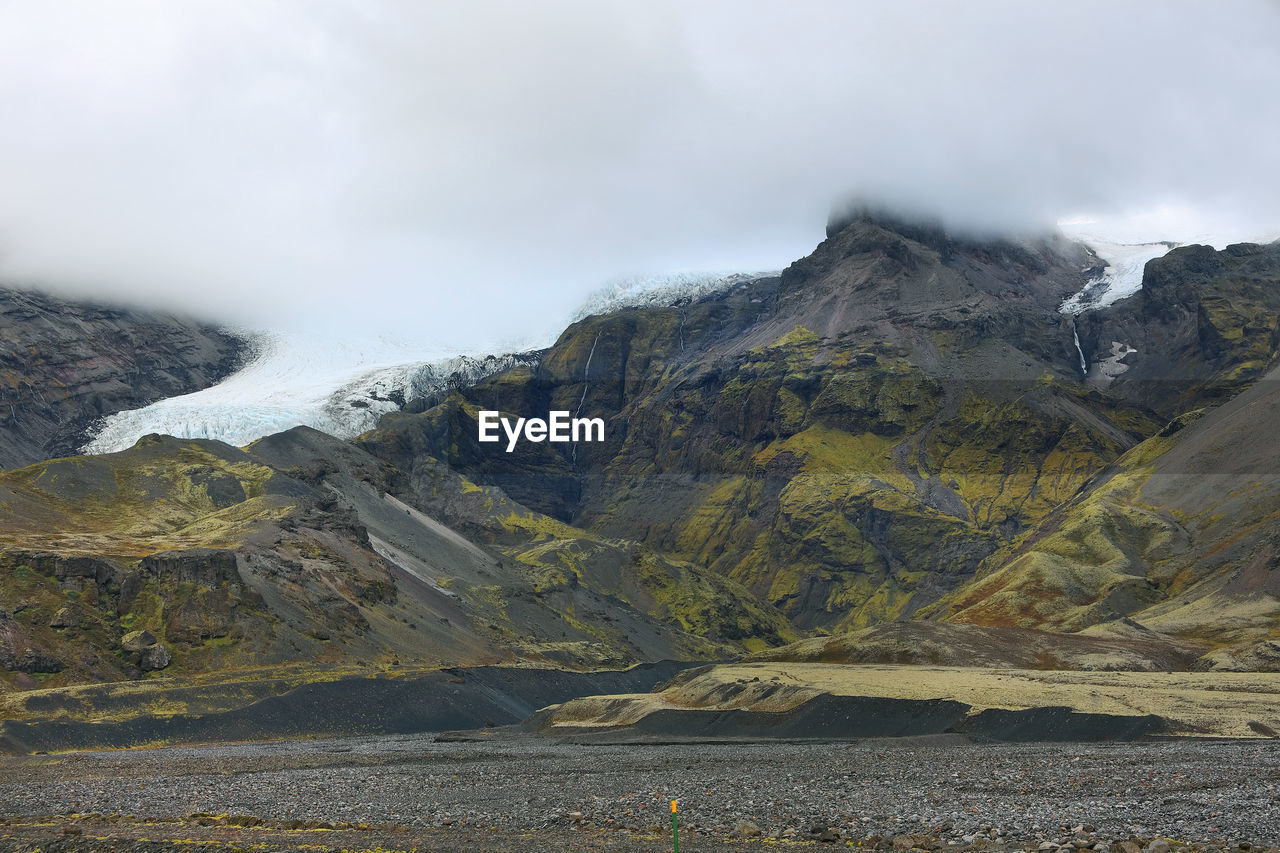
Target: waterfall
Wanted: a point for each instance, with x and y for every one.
(1084, 365)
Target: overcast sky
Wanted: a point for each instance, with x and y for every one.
(470, 171)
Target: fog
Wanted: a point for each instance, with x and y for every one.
(467, 173)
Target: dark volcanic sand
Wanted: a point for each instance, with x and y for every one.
(531, 794)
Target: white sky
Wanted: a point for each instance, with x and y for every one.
(468, 172)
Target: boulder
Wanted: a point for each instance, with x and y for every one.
(137, 641)
(66, 617)
(145, 652)
(155, 658)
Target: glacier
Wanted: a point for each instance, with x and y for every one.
(344, 386)
(1126, 248)
(341, 387)
(662, 291)
(1122, 276)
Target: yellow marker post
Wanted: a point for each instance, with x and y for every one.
(675, 829)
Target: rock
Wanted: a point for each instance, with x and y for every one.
(208, 567)
(145, 652)
(137, 641)
(78, 362)
(66, 617)
(155, 658)
(33, 660)
(129, 589)
(1048, 845)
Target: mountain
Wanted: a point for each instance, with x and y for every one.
(848, 440)
(897, 428)
(64, 365)
(192, 556)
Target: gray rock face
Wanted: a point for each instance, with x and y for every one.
(209, 567)
(64, 365)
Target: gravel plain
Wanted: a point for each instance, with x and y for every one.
(529, 793)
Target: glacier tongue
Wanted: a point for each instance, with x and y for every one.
(1122, 276)
(338, 387)
(343, 387)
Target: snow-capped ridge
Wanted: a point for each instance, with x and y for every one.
(661, 291)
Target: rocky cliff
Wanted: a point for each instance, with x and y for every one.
(64, 365)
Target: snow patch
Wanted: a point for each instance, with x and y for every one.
(1113, 365)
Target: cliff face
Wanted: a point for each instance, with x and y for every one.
(63, 365)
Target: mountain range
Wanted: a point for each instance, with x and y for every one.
(900, 448)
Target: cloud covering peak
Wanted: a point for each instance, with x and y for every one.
(469, 172)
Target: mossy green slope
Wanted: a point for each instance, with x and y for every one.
(1179, 537)
(185, 557)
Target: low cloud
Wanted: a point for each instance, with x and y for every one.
(468, 173)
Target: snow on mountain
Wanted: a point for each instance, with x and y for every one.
(661, 291)
(338, 387)
(1122, 276)
(1127, 245)
(343, 387)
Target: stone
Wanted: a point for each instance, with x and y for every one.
(137, 641)
(34, 660)
(66, 617)
(155, 658)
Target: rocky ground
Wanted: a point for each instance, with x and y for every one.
(531, 794)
